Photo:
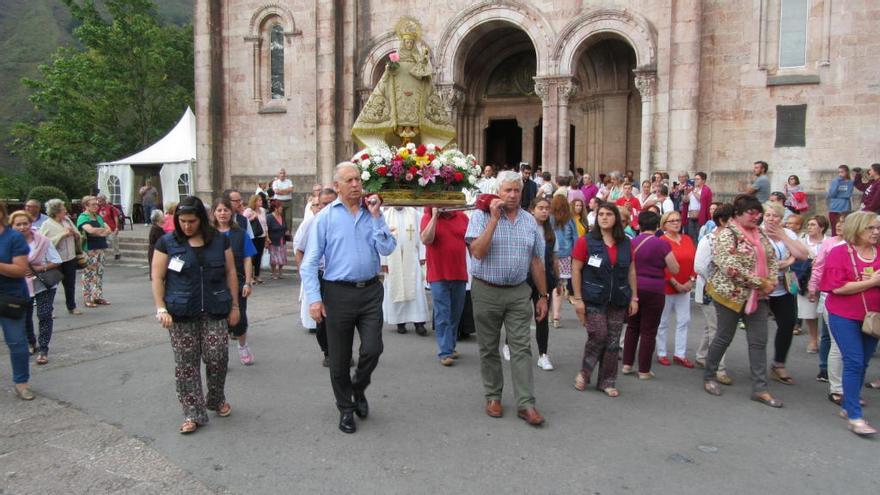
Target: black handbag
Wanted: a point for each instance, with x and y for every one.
(13, 307)
(49, 278)
(257, 227)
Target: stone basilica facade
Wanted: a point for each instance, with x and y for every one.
(689, 85)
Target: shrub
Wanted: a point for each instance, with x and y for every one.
(45, 193)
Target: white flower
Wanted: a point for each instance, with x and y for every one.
(365, 176)
(366, 163)
(410, 146)
(436, 164)
(459, 162)
(423, 181)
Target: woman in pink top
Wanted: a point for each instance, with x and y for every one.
(852, 279)
(830, 363)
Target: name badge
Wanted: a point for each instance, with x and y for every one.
(595, 261)
(176, 264)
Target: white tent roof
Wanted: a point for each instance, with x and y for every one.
(179, 145)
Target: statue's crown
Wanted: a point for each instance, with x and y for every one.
(408, 28)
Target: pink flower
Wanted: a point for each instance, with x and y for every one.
(394, 57)
(409, 177)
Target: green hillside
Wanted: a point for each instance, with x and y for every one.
(30, 31)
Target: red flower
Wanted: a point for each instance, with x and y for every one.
(431, 157)
(382, 170)
(365, 157)
(458, 176)
(437, 149)
(413, 170)
(420, 151)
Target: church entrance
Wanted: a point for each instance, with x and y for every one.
(503, 143)
(501, 110)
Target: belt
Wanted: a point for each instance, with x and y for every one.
(358, 285)
(497, 286)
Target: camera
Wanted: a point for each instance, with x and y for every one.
(690, 182)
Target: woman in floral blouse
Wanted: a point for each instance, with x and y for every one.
(740, 286)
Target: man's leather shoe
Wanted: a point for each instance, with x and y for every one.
(361, 406)
(493, 408)
(531, 416)
(346, 422)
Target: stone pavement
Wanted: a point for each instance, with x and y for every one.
(106, 420)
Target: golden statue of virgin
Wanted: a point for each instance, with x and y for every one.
(404, 106)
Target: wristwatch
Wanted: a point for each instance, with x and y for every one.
(544, 296)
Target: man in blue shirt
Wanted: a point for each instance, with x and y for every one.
(351, 235)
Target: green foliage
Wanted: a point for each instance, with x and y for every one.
(120, 92)
(45, 193)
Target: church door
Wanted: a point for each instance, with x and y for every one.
(503, 143)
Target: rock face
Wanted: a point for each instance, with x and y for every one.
(701, 85)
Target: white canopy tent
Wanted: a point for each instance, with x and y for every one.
(174, 155)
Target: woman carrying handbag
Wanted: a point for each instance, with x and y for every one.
(13, 302)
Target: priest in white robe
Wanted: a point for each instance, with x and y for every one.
(405, 300)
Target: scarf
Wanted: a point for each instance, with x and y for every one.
(753, 237)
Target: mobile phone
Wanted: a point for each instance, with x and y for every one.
(690, 182)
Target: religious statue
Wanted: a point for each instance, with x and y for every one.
(404, 107)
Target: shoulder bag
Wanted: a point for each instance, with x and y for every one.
(871, 323)
(49, 278)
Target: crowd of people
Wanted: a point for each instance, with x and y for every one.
(627, 257)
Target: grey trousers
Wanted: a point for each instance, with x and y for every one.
(512, 307)
(756, 336)
(711, 317)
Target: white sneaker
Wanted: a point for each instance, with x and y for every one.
(505, 351)
(544, 362)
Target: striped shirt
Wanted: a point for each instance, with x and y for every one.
(513, 246)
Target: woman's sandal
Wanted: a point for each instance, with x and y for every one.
(767, 400)
(42, 359)
(188, 427)
(102, 302)
(224, 410)
(647, 376)
(783, 378)
(611, 392)
(874, 385)
(580, 382)
(712, 388)
(626, 370)
(89, 304)
(861, 428)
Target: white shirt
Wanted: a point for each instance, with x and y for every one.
(282, 184)
(694, 204)
(665, 206)
(781, 254)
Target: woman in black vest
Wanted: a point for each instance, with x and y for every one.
(243, 251)
(195, 289)
(604, 283)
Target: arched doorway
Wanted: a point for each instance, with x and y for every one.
(500, 111)
(608, 113)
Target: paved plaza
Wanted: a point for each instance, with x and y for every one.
(106, 419)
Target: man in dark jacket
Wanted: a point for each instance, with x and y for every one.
(530, 188)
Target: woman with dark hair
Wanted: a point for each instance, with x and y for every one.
(870, 189)
(195, 289)
(565, 231)
(651, 258)
(540, 209)
(745, 276)
(603, 283)
(781, 300)
(839, 197)
(13, 268)
(795, 196)
(243, 252)
(277, 248)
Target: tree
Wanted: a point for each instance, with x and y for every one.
(121, 91)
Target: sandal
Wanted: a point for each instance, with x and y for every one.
(767, 400)
(874, 385)
(188, 427)
(555, 322)
(90, 304)
(224, 410)
(861, 428)
(580, 382)
(42, 359)
(102, 302)
(646, 376)
(75, 311)
(783, 377)
(611, 392)
(626, 370)
(835, 398)
(711, 387)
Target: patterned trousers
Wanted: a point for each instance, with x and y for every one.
(43, 301)
(206, 340)
(603, 345)
(93, 276)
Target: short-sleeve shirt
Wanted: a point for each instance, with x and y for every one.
(12, 244)
(762, 188)
(650, 262)
(92, 241)
(581, 251)
(445, 257)
(150, 196)
(512, 248)
(249, 248)
(684, 252)
(282, 184)
(838, 272)
(781, 254)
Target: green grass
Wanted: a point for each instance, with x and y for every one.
(30, 31)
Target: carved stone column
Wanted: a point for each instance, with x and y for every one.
(646, 82)
(453, 100)
(543, 89)
(565, 90)
(256, 44)
(528, 138)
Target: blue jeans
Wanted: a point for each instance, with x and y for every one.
(13, 333)
(448, 296)
(856, 348)
(148, 210)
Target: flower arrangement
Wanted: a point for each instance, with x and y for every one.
(393, 61)
(422, 168)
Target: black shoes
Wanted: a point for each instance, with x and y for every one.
(401, 328)
(421, 330)
(346, 422)
(361, 406)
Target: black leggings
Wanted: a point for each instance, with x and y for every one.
(68, 268)
(542, 328)
(784, 309)
(260, 244)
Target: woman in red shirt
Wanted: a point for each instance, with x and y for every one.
(678, 288)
